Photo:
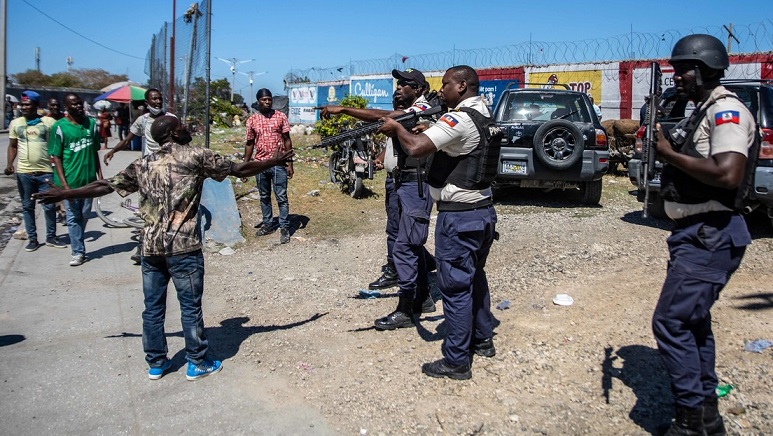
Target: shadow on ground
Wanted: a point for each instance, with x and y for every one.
(642, 371)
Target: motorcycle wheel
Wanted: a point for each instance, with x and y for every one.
(331, 166)
(356, 188)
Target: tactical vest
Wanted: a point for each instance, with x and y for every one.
(678, 186)
(475, 170)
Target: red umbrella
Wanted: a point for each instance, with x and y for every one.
(124, 94)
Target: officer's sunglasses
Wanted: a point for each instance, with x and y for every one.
(410, 83)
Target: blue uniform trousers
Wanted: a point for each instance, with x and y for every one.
(705, 250)
(393, 217)
(462, 244)
(413, 230)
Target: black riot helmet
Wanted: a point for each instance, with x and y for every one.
(703, 48)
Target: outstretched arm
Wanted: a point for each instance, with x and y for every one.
(121, 145)
(369, 115)
(94, 189)
(247, 169)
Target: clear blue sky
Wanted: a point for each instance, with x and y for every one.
(281, 35)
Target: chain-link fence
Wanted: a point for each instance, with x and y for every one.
(186, 94)
(753, 38)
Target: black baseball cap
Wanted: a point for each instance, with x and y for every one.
(410, 75)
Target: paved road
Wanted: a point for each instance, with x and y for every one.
(71, 358)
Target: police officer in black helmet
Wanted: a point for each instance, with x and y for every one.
(704, 179)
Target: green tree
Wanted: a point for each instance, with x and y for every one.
(221, 111)
(97, 78)
(338, 123)
(88, 78)
(31, 78)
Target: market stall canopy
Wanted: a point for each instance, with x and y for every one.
(124, 94)
(115, 85)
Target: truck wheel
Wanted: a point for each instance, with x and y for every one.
(558, 144)
(591, 192)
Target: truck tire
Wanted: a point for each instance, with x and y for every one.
(591, 192)
(558, 144)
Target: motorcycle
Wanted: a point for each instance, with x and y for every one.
(352, 162)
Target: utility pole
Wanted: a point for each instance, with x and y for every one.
(3, 47)
(730, 37)
(233, 62)
(171, 57)
(37, 59)
(250, 74)
(69, 63)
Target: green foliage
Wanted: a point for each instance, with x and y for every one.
(221, 111)
(86, 78)
(338, 123)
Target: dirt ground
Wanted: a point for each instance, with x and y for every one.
(294, 312)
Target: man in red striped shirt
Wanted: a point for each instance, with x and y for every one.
(267, 131)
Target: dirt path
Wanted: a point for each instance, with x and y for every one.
(590, 368)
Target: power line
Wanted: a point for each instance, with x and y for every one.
(81, 35)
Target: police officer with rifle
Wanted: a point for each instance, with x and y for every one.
(413, 210)
(709, 159)
(465, 143)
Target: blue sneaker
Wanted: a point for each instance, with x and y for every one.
(203, 369)
(158, 372)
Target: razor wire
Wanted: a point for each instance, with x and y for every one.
(190, 63)
(751, 38)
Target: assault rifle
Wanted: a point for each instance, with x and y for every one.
(648, 146)
(408, 120)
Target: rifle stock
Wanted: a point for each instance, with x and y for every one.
(408, 120)
(648, 147)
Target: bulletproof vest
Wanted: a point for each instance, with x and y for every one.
(475, 170)
(404, 161)
(678, 186)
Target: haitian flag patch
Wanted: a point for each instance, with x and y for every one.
(450, 120)
(421, 106)
(726, 117)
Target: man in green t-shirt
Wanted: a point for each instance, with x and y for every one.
(74, 145)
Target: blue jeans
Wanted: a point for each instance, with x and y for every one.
(278, 177)
(77, 212)
(30, 184)
(187, 273)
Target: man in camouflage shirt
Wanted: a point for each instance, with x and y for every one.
(170, 181)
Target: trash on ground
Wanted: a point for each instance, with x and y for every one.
(757, 346)
(227, 251)
(503, 305)
(563, 300)
(369, 294)
(723, 390)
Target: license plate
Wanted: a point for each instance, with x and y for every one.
(510, 167)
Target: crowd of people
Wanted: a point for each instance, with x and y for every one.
(705, 175)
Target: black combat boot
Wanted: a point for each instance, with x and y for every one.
(688, 422)
(712, 420)
(484, 347)
(402, 316)
(387, 279)
(423, 302)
